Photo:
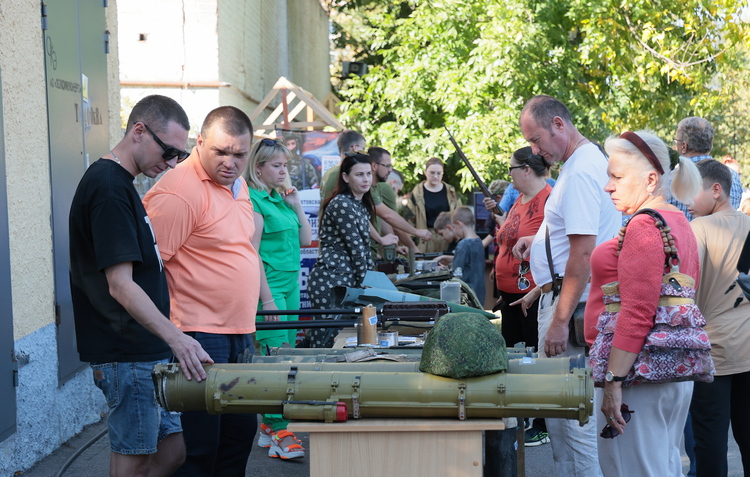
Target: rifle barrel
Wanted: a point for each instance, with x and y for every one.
(478, 179)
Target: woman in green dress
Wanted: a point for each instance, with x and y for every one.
(281, 228)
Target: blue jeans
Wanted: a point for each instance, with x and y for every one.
(136, 422)
(218, 445)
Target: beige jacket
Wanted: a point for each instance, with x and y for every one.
(415, 213)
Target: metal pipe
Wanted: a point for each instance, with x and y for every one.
(411, 262)
(303, 324)
(238, 388)
(335, 311)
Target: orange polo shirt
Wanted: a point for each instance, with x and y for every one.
(204, 237)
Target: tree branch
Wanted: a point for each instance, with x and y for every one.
(674, 63)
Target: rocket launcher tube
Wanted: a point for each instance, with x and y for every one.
(239, 388)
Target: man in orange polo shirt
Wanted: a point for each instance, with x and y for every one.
(203, 221)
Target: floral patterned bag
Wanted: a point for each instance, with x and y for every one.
(677, 348)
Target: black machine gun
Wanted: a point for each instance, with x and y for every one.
(478, 179)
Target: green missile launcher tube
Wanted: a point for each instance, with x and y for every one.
(321, 395)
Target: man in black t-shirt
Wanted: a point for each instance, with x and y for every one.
(119, 291)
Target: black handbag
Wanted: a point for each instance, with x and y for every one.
(743, 266)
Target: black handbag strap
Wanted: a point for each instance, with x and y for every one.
(555, 277)
(743, 264)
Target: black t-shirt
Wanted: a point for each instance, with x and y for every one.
(434, 203)
(108, 225)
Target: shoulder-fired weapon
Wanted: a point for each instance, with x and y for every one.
(478, 179)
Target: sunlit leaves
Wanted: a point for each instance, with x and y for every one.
(617, 64)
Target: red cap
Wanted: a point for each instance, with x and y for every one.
(341, 413)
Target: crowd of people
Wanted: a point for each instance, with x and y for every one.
(182, 273)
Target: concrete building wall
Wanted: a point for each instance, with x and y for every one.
(171, 51)
(47, 414)
(27, 165)
(247, 60)
(309, 57)
(234, 53)
(168, 40)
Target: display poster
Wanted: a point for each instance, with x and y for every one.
(310, 150)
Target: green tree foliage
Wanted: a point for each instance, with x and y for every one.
(471, 65)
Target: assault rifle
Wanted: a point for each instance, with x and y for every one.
(497, 210)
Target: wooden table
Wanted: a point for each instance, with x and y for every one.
(383, 447)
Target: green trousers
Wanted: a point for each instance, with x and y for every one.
(285, 291)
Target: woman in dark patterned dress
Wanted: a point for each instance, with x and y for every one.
(344, 240)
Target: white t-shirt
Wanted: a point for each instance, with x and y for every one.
(577, 205)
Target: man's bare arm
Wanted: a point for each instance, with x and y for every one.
(577, 274)
(398, 222)
(405, 239)
(139, 305)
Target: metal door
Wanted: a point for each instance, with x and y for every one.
(77, 104)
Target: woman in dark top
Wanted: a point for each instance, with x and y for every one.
(427, 200)
(344, 240)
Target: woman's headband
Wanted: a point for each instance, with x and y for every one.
(644, 148)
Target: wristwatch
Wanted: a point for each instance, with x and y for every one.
(610, 377)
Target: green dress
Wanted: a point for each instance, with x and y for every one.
(279, 251)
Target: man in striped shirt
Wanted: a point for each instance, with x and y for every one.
(694, 139)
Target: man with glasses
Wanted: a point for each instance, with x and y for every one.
(203, 221)
(383, 193)
(382, 168)
(694, 139)
(578, 216)
(119, 291)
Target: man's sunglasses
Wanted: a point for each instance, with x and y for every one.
(610, 432)
(169, 151)
(523, 269)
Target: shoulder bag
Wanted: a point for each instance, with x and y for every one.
(677, 348)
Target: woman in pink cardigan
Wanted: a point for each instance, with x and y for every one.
(646, 441)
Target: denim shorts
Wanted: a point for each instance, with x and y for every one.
(136, 421)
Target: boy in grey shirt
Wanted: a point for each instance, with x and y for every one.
(469, 253)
